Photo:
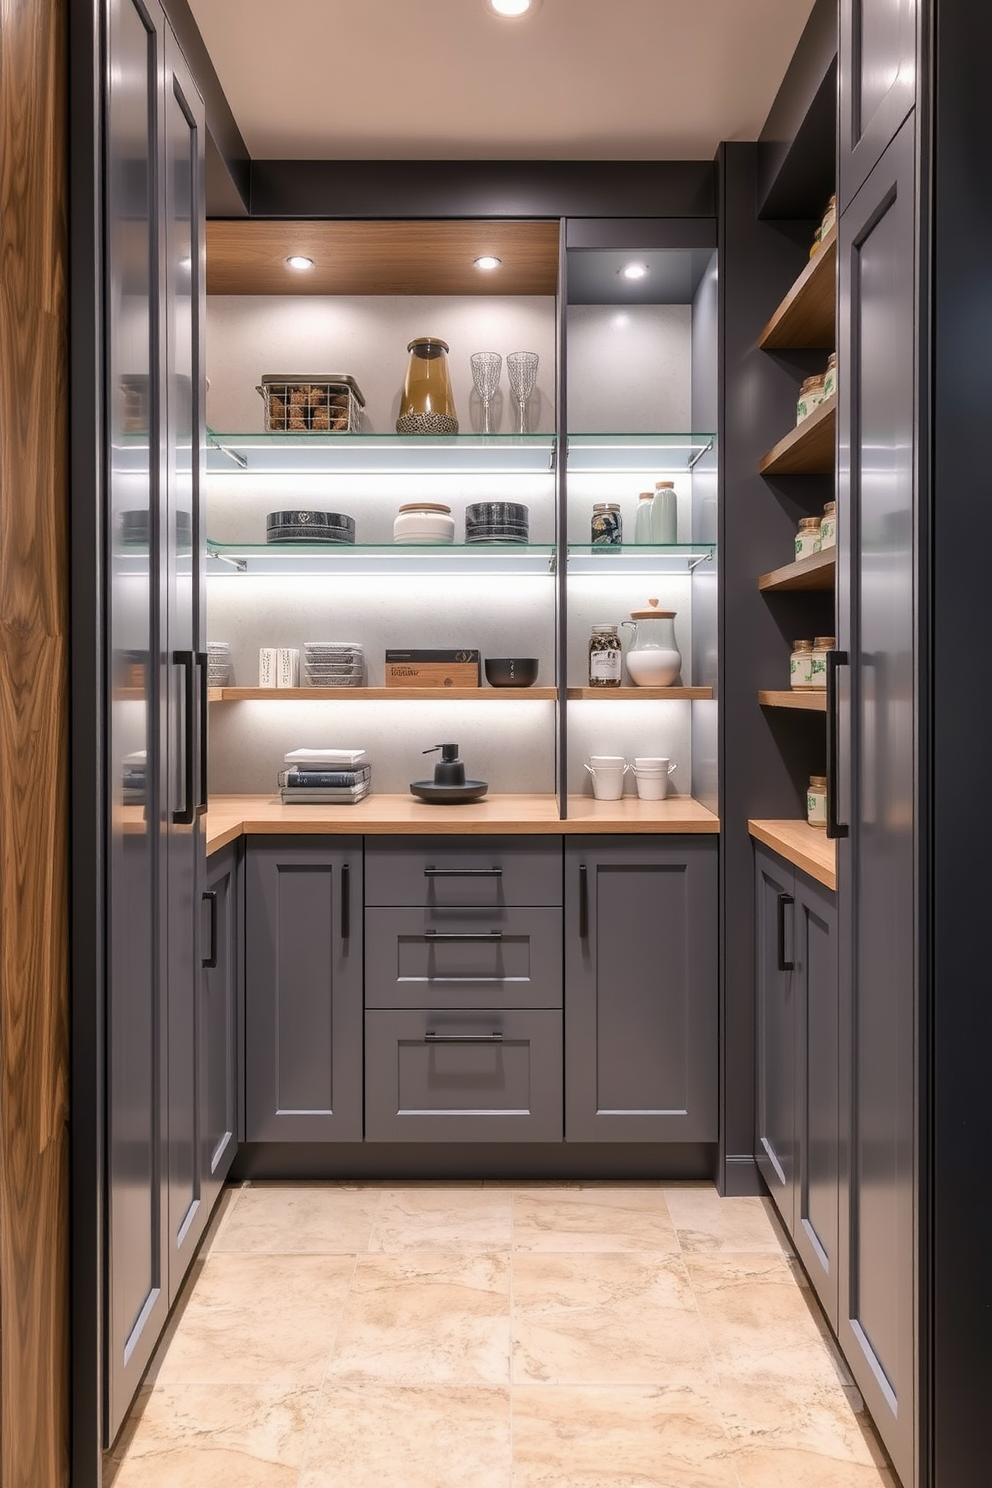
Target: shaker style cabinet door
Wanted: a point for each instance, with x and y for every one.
(303, 991)
(220, 984)
(777, 1031)
(641, 989)
(878, 51)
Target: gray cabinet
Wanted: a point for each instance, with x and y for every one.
(798, 1101)
(303, 989)
(471, 959)
(220, 1000)
(878, 74)
(641, 989)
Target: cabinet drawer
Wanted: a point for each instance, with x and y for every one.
(469, 872)
(511, 959)
(463, 1076)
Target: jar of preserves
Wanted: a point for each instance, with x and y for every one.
(821, 645)
(807, 537)
(830, 376)
(828, 525)
(607, 525)
(605, 656)
(816, 801)
(801, 664)
(810, 397)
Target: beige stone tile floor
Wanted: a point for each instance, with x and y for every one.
(496, 1335)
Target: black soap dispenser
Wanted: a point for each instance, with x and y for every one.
(449, 784)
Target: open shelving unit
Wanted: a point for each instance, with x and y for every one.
(805, 702)
(815, 573)
(808, 449)
(805, 318)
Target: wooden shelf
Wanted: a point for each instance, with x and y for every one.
(808, 449)
(807, 317)
(650, 694)
(815, 572)
(809, 702)
(381, 694)
(805, 847)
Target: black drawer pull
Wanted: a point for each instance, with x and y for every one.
(463, 873)
(345, 902)
(454, 935)
(583, 902)
(209, 962)
(835, 827)
(783, 965)
(464, 1038)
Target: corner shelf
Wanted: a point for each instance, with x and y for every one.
(807, 702)
(808, 449)
(806, 318)
(382, 694)
(650, 694)
(817, 572)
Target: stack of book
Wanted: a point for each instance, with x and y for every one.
(325, 777)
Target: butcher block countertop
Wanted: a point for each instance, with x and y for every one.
(805, 847)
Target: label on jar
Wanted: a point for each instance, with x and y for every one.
(818, 669)
(605, 665)
(828, 532)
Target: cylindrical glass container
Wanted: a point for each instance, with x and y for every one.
(830, 376)
(606, 529)
(821, 645)
(605, 656)
(427, 405)
(642, 518)
(807, 537)
(828, 525)
(810, 397)
(816, 801)
(664, 514)
(801, 664)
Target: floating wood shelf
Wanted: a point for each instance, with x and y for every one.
(815, 572)
(807, 315)
(809, 702)
(808, 848)
(381, 694)
(808, 449)
(653, 694)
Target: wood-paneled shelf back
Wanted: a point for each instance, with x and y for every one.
(388, 258)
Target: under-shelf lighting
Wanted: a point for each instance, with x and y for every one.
(299, 261)
(634, 271)
(487, 261)
(511, 9)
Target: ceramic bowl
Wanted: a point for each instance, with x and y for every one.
(511, 671)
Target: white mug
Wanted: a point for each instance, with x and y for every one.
(607, 781)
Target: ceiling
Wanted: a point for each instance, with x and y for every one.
(446, 80)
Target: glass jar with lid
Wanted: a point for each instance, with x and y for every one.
(821, 645)
(816, 801)
(605, 656)
(807, 537)
(810, 397)
(606, 530)
(828, 525)
(428, 404)
(801, 664)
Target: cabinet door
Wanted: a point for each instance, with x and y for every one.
(303, 991)
(219, 1000)
(815, 1227)
(641, 990)
(777, 1031)
(878, 918)
(877, 54)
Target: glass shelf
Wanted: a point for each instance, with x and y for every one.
(633, 558)
(384, 558)
(301, 454)
(617, 453)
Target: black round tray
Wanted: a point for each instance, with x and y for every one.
(449, 795)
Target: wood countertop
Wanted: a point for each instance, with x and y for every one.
(231, 817)
(805, 847)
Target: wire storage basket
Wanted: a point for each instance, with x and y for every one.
(311, 405)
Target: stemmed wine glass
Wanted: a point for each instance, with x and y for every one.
(521, 369)
(486, 366)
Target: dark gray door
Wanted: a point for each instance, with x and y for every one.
(221, 926)
(303, 990)
(877, 66)
(777, 1030)
(641, 989)
(877, 905)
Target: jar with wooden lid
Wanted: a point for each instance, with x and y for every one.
(828, 525)
(605, 656)
(810, 396)
(801, 665)
(807, 537)
(606, 527)
(830, 376)
(821, 645)
(816, 801)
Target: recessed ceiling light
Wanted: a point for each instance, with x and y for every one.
(299, 261)
(510, 9)
(487, 261)
(633, 270)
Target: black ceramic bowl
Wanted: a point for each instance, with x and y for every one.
(496, 514)
(511, 671)
(309, 526)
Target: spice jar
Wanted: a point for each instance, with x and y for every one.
(821, 645)
(816, 801)
(830, 376)
(828, 525)
(810, 396)
(807, 537)
(801, 664)
(607, 525)
(605, 656)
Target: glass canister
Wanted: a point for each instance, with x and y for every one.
(606, 528)
(653, 657)
(807, 537)
(605, 656)
(427, 405)
(801, 664)
(816, 801)
(821, 645)
(828, 525)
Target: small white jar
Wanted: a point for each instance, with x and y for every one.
(801, 664)
(807, 537)
(821, 645)
(816, 801)
(424, 522)
(828, 526)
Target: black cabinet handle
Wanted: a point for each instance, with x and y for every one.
(464, 1038)
(201, 661)
(467, 935)
(583, 902)
(186, 660)
(783, 901)
(463, 873)
(345, 902)
(835, 659)
(211, 960)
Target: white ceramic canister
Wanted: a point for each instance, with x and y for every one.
(607, 777)
(807, 537)
(652, 774)
(664, 514)
(821, 645)
(828, 526)
(642, 518)
(653, 658)
(424, 522)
